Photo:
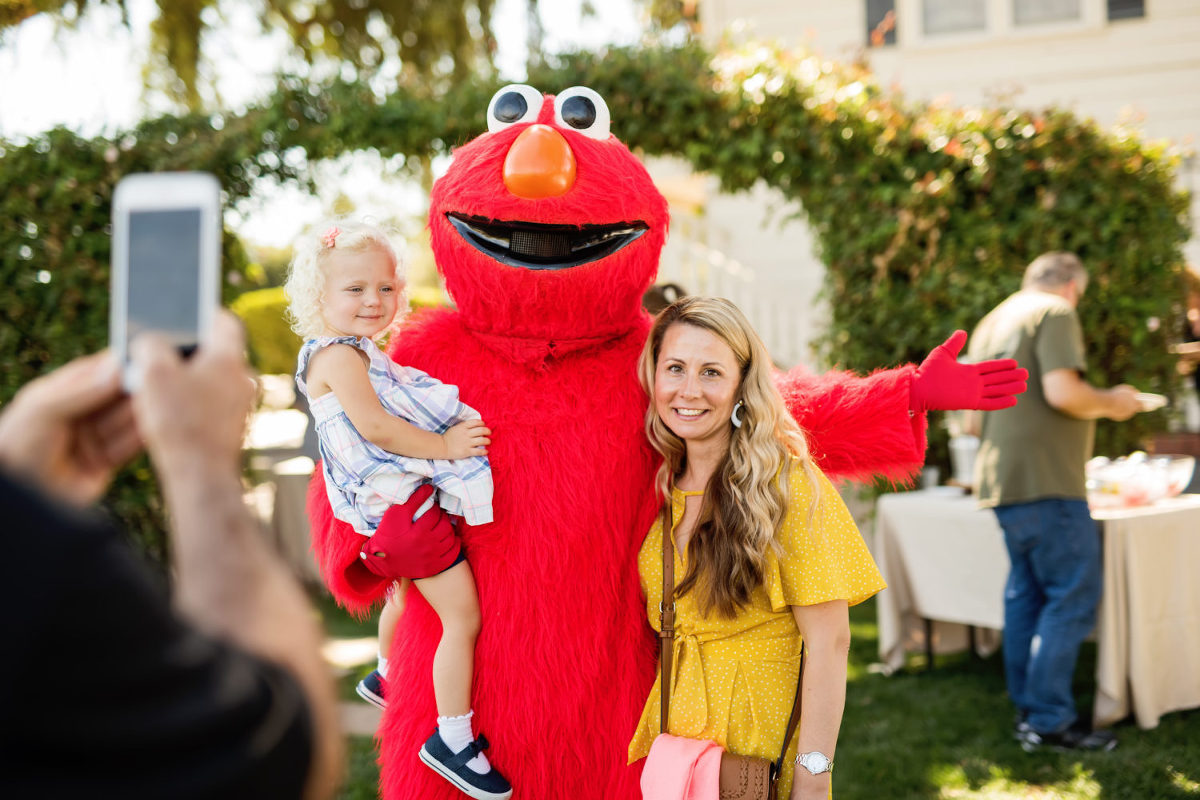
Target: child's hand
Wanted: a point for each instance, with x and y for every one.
(469, 438)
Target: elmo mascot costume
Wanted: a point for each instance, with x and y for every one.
(547, 231)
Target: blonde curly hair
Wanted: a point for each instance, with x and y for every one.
(745, 502)
(305, 283)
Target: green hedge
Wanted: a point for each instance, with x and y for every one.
(925, 217)
(272, 344)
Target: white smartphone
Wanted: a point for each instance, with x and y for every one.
(166, 260)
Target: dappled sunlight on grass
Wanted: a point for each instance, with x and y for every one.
(947, 733)
(1181, 781)
(981, 779)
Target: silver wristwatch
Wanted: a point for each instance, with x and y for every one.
(814, 762)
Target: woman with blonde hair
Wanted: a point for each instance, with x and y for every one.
(766, 557)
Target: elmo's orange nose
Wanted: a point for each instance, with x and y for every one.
(539, 164)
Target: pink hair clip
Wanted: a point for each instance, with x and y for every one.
(329, 237)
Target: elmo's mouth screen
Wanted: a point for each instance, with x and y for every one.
(532, 245)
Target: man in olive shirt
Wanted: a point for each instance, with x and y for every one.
(1030, 469)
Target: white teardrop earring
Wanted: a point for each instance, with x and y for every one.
(733, 415)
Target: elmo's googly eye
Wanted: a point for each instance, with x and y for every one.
(513, 104)
(581, 109)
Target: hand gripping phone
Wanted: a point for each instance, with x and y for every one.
(166, 259)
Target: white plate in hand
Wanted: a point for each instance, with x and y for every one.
(1151, 402)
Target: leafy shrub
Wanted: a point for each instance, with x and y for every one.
(272, 344)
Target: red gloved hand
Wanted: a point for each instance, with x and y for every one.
(941, 382)
(403, 547)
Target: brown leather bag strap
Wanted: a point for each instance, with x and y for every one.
(666, 618)
(793, 720)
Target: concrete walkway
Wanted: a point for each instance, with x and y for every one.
(359, 718)
(353, 657)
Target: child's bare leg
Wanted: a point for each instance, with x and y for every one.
(373, 687)
(452, 596)
(389, 617)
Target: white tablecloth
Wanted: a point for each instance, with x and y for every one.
(1148, 660)
(945, 560)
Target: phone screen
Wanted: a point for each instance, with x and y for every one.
(164, 269)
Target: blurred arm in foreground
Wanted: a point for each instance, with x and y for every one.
(225, 695)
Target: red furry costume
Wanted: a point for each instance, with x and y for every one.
(547, 356)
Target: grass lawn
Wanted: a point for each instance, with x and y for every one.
(362, 773)
(948, 734)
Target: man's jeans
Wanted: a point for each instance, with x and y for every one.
(1049, 604)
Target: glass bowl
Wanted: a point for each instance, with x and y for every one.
(1179, 471)
(1137, 479)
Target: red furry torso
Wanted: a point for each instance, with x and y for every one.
(563, 619)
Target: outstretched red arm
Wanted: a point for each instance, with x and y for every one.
(858, 428)
(864, 428)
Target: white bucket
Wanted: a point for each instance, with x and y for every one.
(963, 450)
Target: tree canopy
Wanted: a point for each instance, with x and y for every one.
(435, 42)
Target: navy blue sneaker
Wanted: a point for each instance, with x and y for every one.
(370, 689)
(1079, 736)
(453, 767)
(1021, 725)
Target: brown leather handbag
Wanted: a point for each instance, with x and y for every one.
(742, 777)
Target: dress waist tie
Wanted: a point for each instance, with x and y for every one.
(687, 680)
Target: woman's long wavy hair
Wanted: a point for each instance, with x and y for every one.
(745, 501)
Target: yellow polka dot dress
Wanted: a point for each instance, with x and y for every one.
(735, 679)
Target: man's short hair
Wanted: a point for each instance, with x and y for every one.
(1055, 270)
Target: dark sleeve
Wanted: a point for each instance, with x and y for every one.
(1059, 343)
(113, 695)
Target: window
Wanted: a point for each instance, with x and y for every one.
(1034, 12)
(881, 22)
(953, 16)
(1126, 9)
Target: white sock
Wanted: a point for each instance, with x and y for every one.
(381, 665)
(456, 733)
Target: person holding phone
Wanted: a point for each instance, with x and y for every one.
(224, 695)
(388, 436)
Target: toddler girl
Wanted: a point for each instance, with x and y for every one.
(384, 430)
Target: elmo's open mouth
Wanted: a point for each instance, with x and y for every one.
(535, 246)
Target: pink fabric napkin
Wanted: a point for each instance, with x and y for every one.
(679, 768)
